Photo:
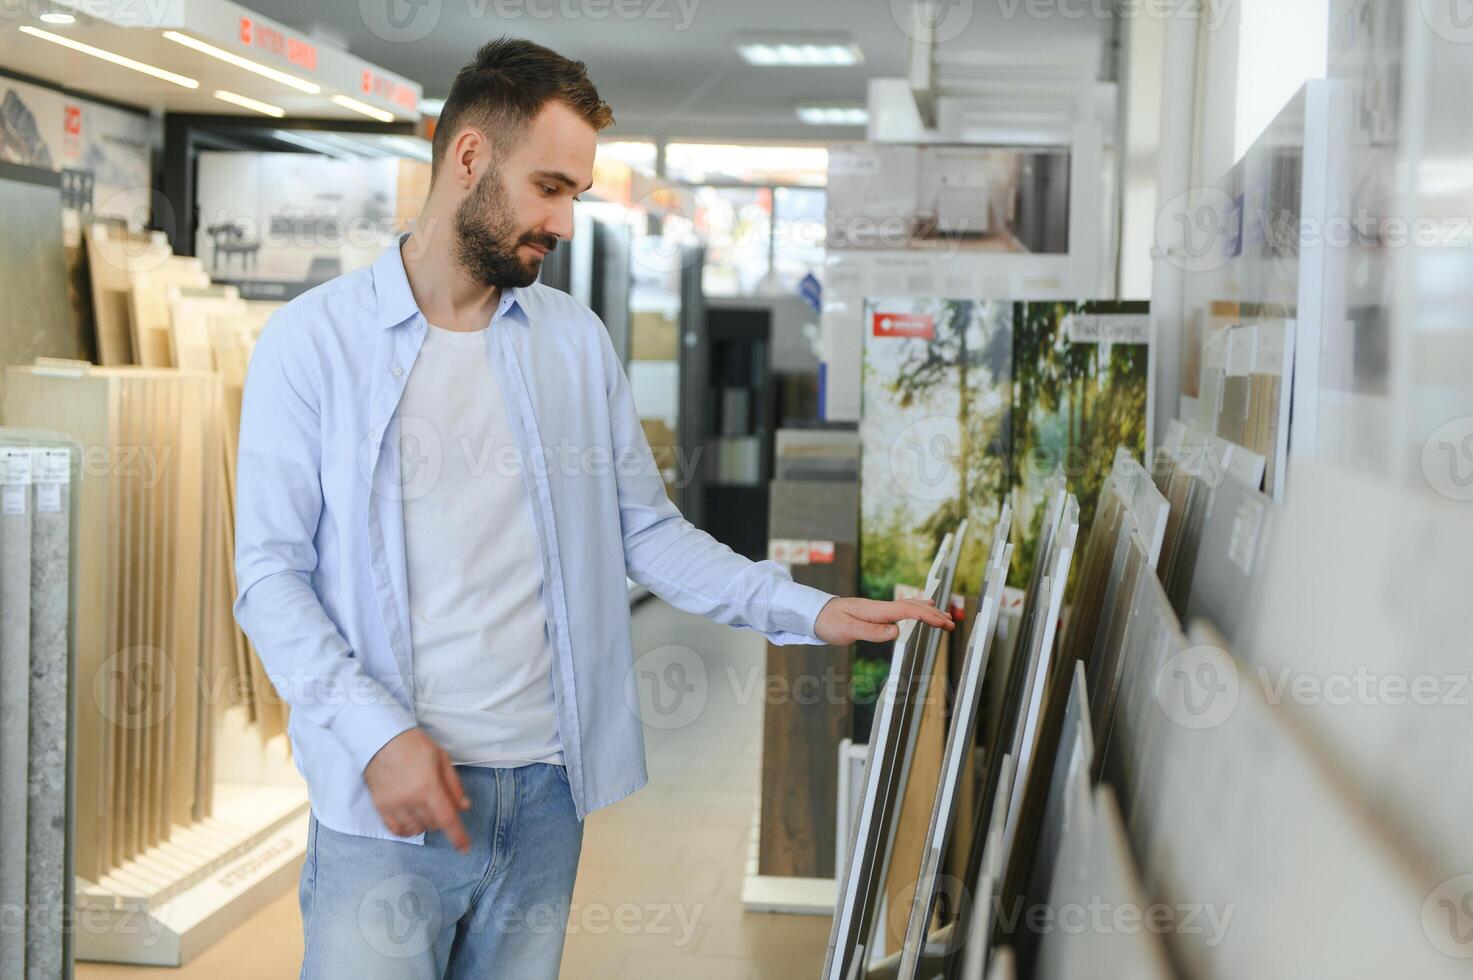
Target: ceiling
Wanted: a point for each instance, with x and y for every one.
(671, 69)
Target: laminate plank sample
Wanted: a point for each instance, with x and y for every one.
(149, 505)
(113, 256)
(149, 306)
(914, 815)
(128, 671)
(191, 312)
(801, 735)
(81, 408)
(1095, 865)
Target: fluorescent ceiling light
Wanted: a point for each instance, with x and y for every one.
(204, 47)
(58, 17)
(416, 148)
(182, 81)
(696, 163)
(833, 115)
(371, 112)
(357, 145)
(246, 102)
(822, 51)
(307, 143)
(431, 107)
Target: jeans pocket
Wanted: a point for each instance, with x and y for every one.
(562, 773)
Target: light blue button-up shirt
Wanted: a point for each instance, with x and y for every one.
(320, 563)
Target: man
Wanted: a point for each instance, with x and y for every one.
(443, 482)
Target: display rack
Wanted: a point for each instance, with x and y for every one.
(172, 903)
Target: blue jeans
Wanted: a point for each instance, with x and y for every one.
(375, 908)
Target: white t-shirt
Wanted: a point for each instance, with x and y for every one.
(478, 631)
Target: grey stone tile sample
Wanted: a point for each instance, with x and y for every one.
(15, 659)
(36, 317)
(46, 874)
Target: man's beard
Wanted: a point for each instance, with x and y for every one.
(486, 240)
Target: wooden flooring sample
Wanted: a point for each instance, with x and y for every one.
(153, 594)
(150, 315)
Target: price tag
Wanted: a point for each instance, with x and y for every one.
(15, 479)
(51, 465)
(1243, 543)
(51, 468)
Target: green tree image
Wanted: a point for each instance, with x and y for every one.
(959, 373)
(1020, 403)
(1073, 404)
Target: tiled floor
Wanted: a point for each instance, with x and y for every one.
(659, 886)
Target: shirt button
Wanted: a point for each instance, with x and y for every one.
(398, 370)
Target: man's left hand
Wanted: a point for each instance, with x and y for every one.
(846, 620)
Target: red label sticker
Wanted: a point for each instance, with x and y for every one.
(921, 325)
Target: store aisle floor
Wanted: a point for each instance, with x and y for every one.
(659, 885)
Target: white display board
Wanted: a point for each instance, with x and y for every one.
(990, 222)
(294, 219)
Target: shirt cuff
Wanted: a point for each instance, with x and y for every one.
(365, 726)
(796, 608)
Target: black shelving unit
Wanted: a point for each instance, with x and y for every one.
(737, 413)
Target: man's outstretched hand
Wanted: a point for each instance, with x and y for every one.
(415, 787)
(846, 620)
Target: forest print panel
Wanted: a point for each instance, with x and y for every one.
(934, 434)
(1079, 390)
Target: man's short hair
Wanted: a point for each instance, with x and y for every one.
(505, 86)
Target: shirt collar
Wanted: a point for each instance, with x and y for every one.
(396, 300)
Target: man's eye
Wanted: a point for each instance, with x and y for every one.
(549, 191)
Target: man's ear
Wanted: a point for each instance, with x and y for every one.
(467, 154)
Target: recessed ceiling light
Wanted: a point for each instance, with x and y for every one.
(265, 71)
(246, 102)
(372, 112)
(830, 51)
(183, 81)
(58, 17)
(431, 107)
(833, 115)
